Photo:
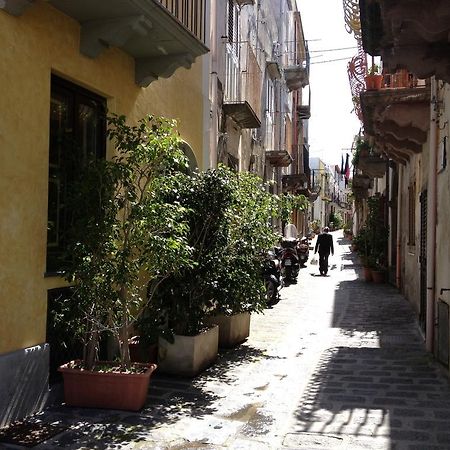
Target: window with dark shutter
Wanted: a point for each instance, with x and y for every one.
(233, 26)
(412, 214)
(77, 133)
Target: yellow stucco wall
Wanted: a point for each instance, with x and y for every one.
(40, 42)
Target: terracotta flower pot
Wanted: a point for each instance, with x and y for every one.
(109, 390)
(373, 82)
(367, 273)
(378, 276)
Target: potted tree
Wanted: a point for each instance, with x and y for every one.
(378, 235)
(229, 232)
(240, 289)
(364, 249)
(123, 235)
(186, 298)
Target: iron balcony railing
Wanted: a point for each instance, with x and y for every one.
(191, 13)
(243, 85)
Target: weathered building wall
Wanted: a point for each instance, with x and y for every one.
(41, 42)
(411, 179)
(443, 204)
(35, 45)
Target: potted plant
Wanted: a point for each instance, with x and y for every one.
(229, 232)
(240, 289)
(184, 299)
(378, 235)
(364, 249)
(144, 342)
(123, 236)
(378, 273)
(374, 78)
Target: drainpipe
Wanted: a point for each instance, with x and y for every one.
(213, 86)
(431, 216)
(398, 270)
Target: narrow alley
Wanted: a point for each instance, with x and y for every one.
(337, 363)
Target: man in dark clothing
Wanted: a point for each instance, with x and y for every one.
(324, 244)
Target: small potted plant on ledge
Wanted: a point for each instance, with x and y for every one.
(123, 236)
(374, 78)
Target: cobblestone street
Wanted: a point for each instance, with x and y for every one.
(337, 363)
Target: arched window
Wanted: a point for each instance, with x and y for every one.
(193, 165)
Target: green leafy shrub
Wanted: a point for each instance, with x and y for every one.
(124, 234)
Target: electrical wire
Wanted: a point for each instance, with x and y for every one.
(332, 60)
(333, 49)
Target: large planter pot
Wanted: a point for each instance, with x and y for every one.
(378, 276)
(110, 390)
(233, 329)
(367, 273)
(188, 355)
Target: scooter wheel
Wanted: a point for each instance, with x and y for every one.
(271, 293)
(288, 273)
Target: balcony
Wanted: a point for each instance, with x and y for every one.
(412, 35)
(242, 3)
(296, 183)
(397, 116)
(243, 86)
(361, 185)
(296, 77)
(273, 69)
(361, 181)
(296, 62)
(161, 35)
(278, 158)
(304, 112)
(371, 164)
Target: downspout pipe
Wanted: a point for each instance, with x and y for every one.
(398, 267)
(431, 217)
(213, 87)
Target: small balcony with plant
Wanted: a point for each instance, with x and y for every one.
(396, 114)
(367, 159)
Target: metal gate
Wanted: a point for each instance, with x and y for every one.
(423, 261)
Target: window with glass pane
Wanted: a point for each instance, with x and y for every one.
(77, 132)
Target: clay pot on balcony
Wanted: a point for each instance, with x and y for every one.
(373, 82)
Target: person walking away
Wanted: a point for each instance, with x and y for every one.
(324, 245)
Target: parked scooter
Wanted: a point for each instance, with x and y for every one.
(290, 265)
(303, 251)
(272, 276)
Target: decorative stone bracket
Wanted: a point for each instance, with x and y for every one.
(149, 69)
(99, 35)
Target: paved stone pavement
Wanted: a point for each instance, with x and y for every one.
(337, 363)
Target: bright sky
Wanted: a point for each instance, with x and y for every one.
(332, 124)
